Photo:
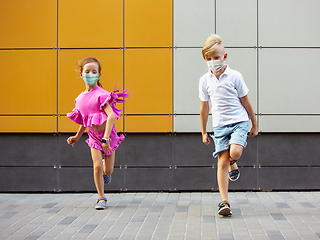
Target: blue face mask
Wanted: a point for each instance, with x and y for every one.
(90, 79)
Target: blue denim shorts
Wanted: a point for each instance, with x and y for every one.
(224, 136)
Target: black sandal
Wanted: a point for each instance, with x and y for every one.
(232, 161)
(234, 175)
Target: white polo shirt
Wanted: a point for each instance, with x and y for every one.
(225, 95)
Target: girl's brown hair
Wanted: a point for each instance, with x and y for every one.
(83, 62)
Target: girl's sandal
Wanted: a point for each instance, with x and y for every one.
(101, 203)
(106, 179)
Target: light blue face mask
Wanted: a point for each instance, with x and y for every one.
(90, 79)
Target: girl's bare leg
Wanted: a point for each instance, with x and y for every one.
(97, 171)
(109, 163)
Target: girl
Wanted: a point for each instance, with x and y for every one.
(96, 108)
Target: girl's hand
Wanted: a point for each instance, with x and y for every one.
(106, 146)
(253, 132)
(72, 140)
(205, 139)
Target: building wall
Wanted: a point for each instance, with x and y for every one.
(153, 48)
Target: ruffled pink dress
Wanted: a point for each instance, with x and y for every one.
(89, 111)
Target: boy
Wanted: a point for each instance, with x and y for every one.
(231, 111)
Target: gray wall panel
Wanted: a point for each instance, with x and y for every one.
(289, 149)
(148, 179)
(81, 179)
(79, 155)
(28, 179)
(199, 178)
(189, 150)
(148, 150)
(247, 180)
(249, 154)
(289, 178)
(183, 163)
(30, 149)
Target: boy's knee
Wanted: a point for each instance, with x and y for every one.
(235, 154)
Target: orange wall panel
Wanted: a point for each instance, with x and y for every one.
(28, 82)
(88, 24)
(70, 84)
(148, 23)
(28, 24)
(148, 75)
(149, 123)
(39, 124)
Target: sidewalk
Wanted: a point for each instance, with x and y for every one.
(256, 215)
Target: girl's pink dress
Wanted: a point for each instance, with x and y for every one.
(89, 111)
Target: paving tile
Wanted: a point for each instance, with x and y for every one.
(256, 215)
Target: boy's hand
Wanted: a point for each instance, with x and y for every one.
(72, 140)
(253, 132)
(205, 139)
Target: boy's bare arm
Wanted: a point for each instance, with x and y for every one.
(247, 105)
(204, 114)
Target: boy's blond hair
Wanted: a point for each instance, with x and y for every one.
(211, 44)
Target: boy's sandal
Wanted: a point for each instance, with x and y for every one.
(234, 175)
(101, 203)
(107, 179)
(224, 208)
(232, 161)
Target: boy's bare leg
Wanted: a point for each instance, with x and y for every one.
(223, 180)
(235, 153)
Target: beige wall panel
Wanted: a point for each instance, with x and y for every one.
(28, 23)
(190, 123)
(66, 125)
(193, 21)
(293, 23)
(289, 81)
(289, 123)
(28, 82)
(71, 84)
(148, 23)
(237, 22)
(155, 123)
(88, 24)
(38, 124)
(148, 76)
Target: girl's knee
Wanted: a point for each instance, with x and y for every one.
(108, 171)
(98, 168)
